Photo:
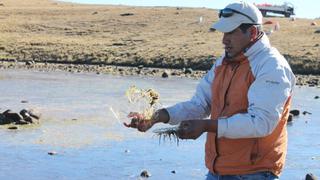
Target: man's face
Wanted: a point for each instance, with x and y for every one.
(235, 41)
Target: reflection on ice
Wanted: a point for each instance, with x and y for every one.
(82, 120)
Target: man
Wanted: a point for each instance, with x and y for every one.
(248, 95)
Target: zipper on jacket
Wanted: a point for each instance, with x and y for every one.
(233, 69)
(255, 152)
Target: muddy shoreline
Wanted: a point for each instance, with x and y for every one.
(302, 80)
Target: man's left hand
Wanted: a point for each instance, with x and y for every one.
(191, 129)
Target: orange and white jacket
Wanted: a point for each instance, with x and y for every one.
(250, 98)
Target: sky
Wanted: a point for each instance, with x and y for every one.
(303, 8)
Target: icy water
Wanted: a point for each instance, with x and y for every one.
(91, 143)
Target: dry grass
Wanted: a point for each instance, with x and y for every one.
(48, 31)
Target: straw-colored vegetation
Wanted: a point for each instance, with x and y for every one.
(50, 31)
(146, 99)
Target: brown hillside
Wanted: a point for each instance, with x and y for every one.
(49, 31)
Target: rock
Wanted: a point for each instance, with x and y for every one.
(26, 116)
(28, 63)
(212, 30)
(126, 14)
(21, 122)
(306, 112)
(2, 119)
(34, 114)
(140, 67)
(24, 101)
(174, 74)
(173, 171)
(308, 53)
(313, 23)
(310, 176)
(13, 127)
(317, 31)
(316, 97)
(52, 153)
(145, 174)
(119, 44)
(165, 74)
(11, 117)
(188, 71)
(290, 118)
(295, 112)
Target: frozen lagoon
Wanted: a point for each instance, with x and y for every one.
(90, 142)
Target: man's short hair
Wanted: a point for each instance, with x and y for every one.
(244, 27)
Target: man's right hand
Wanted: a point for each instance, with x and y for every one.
(139, 122)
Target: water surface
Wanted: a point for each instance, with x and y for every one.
(91, 143)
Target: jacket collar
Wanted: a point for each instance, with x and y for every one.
(261, 43)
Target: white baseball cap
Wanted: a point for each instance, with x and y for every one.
(235, 14)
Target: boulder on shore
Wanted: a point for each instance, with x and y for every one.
(24, 117)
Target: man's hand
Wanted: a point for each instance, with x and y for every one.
(192, 129)
(139, 122)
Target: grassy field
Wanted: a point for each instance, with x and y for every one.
(49, 31)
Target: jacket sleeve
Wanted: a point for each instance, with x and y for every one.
(267, 97)
(198, 107)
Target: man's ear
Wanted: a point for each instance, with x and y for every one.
(253, 33)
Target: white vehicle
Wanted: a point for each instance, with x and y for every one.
(287, 9)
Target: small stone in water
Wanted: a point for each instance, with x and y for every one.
(145, 174)
(295, 112)
(173, 171)
(127, 151)
(13, 127)
(52, 153)
(310, 176)
(290, 118)
(306, 112)
(165, 74)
